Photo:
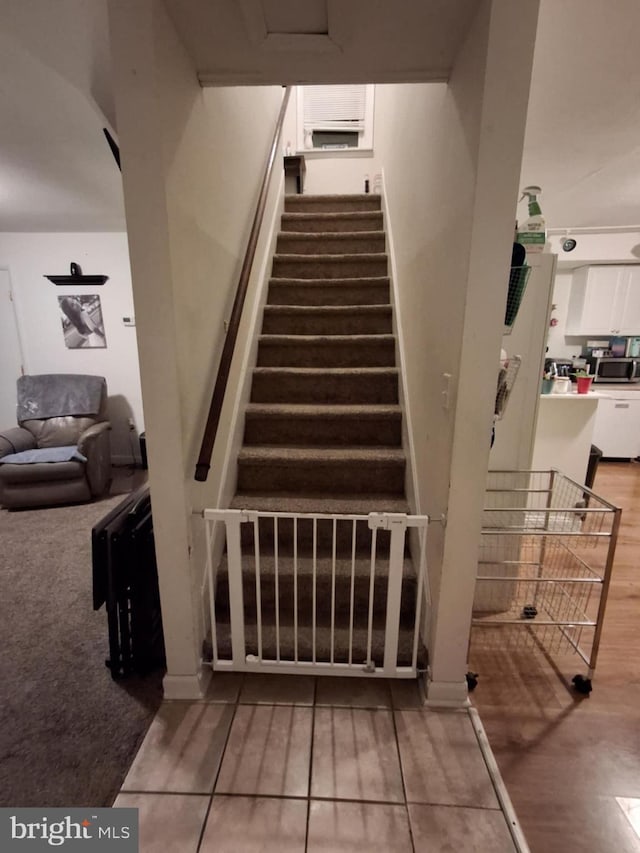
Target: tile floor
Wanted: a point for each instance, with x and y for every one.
(294, 763)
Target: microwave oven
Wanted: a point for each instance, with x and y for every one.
(614, 369)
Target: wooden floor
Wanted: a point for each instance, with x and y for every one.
(571, 763)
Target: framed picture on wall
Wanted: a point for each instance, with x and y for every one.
(82, 323)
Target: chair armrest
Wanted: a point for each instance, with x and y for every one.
(95, 444)
(90, 435)
(16, 440)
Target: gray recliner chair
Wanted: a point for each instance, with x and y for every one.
(60, 451)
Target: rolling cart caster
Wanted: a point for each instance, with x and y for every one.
(472, 680)
(529, 611)
(582, 684)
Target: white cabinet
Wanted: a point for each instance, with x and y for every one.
(617, 427)
(605, 300)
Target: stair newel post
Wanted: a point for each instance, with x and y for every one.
(233, 520)
(397, 525)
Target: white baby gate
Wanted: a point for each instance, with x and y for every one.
(312, 593)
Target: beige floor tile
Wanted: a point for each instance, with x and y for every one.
(354, 827)
(441, 829)
(353, 692)
(355, 755)
(267, 689)
(224, 687)
(268, 751)
(255, 825)
(168, 823)
(441, 760)
(182, 750)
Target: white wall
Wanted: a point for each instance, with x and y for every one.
(191, 161)
(451, 156)
(28, 258)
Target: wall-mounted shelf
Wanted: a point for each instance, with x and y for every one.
(76, 277)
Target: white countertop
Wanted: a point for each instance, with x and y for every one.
(573, 395)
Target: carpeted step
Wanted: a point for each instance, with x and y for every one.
(289, 583)
(321, 470)
(326, 351)
(324, 425)
(331, 203)
(319, 222)
(322, 537)
(358, 385)
(330, 243)
(351, 503)
(327, 320)
(287, 647)
(329, 266)
(334, 291)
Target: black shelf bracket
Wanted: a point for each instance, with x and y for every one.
(77, 277)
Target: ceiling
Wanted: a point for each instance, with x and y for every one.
(57, 174)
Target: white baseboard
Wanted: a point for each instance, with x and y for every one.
(447, 694)
(187, 687)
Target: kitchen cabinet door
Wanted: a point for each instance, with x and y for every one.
(597, 300)
(630, 309)
(617, 428)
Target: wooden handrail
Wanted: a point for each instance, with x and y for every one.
(213, 418)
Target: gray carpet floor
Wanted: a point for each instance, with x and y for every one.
(68, 731)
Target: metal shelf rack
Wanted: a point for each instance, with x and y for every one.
(546, 556)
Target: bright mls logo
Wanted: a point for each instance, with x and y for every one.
(69, 829)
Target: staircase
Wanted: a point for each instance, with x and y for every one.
(323, 434)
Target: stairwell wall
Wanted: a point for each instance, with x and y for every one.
(451, 158)
(191, 166)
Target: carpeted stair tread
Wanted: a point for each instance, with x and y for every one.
(328, 310)
(333, 291)
(329, 424)
(327, 319)
(328, 503)
(325, 385)
(330, 242)
(348, 265)
(316, 469)
(293, 456)
(290, 584)
(335, 410)
(304, 567)
(361, 220)
(336, 203)
(326, 350)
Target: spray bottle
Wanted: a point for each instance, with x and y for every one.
(532, 233)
